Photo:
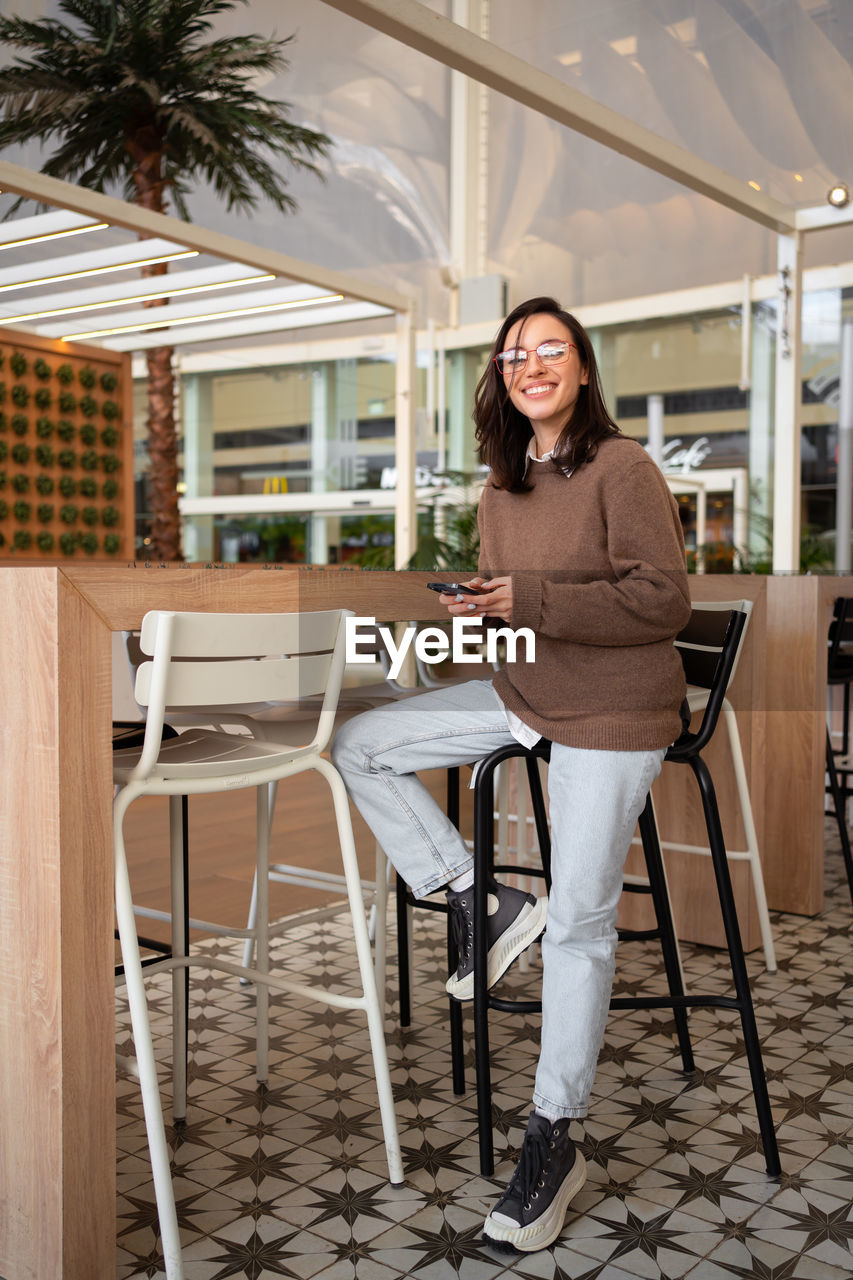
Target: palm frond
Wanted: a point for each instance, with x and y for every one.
(114, 82)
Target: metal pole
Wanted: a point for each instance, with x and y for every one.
(405, 522)
(844, 480)
(786, 478)
(655, 415)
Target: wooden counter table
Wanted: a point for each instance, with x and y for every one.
(57, 1064)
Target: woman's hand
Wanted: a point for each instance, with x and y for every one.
(494, 599)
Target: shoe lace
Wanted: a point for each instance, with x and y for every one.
(461, 929)
(533, 1159)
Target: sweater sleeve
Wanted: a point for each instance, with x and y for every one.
(647, 597)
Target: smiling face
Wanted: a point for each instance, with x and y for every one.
(545, 394)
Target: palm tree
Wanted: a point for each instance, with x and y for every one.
(138, 94)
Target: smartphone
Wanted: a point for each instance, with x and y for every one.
(452, 589)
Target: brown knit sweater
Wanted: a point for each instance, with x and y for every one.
(597, 562)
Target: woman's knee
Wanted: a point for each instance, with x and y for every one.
(347, 748)
(581, 920)
(356, 738)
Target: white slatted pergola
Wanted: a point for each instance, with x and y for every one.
(72, 275)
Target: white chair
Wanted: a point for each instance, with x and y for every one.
(697, 700)
(211, 660)
(352, 702)
(294, 724)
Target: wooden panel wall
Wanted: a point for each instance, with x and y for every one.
(57, 1072)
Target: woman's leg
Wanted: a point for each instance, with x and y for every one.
(595, 800)
(378, 754)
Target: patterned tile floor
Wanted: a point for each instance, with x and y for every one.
(291, 1181)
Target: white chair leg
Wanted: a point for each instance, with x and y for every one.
(375, 1020)
(410, 946)
(262, 936)
(249, 945)
(378, 920)
(179, 975)
(152, 1109)
(751, 837)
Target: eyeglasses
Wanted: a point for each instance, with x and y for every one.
(551, 352)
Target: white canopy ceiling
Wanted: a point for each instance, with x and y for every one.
(758, 88)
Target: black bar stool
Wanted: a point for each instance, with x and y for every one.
(484, 869)
(838, 764)
(708, 646)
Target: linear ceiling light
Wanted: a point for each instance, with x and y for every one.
(133, 298)
(100, 271)
(54, 235)
(164, 322)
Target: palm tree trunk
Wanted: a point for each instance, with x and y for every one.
(163, 453)
(160, 422)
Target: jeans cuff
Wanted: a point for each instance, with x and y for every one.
(554, 1111)
(441, 881)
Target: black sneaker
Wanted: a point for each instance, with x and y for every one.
(515, 919)
(550, 1172)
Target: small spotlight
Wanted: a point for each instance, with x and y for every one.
(838, 196)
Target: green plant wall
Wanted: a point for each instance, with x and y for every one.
(66, 451)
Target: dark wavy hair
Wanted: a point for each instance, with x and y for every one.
(503, 433)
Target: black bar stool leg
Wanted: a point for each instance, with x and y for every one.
(484, 853)
(840, 806)
(738, 964)
(457, 1047)
(185, 853)
(403, 975)
(666, 928)
(540, 817)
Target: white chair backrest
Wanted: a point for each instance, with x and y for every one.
(722, 606)
(225, 659)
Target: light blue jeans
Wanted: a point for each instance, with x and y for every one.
(595, 799)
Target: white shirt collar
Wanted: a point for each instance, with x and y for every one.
(532, 456)
(531, 452)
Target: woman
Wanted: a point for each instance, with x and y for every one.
(581, 542)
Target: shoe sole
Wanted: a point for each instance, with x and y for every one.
(545, 1230)
(525, 929)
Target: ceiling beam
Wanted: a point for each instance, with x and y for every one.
(223, 275)
(239, 326)
(429, 33)
(184, 309)
(44, 226)
(119, 213)
(823, 217)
